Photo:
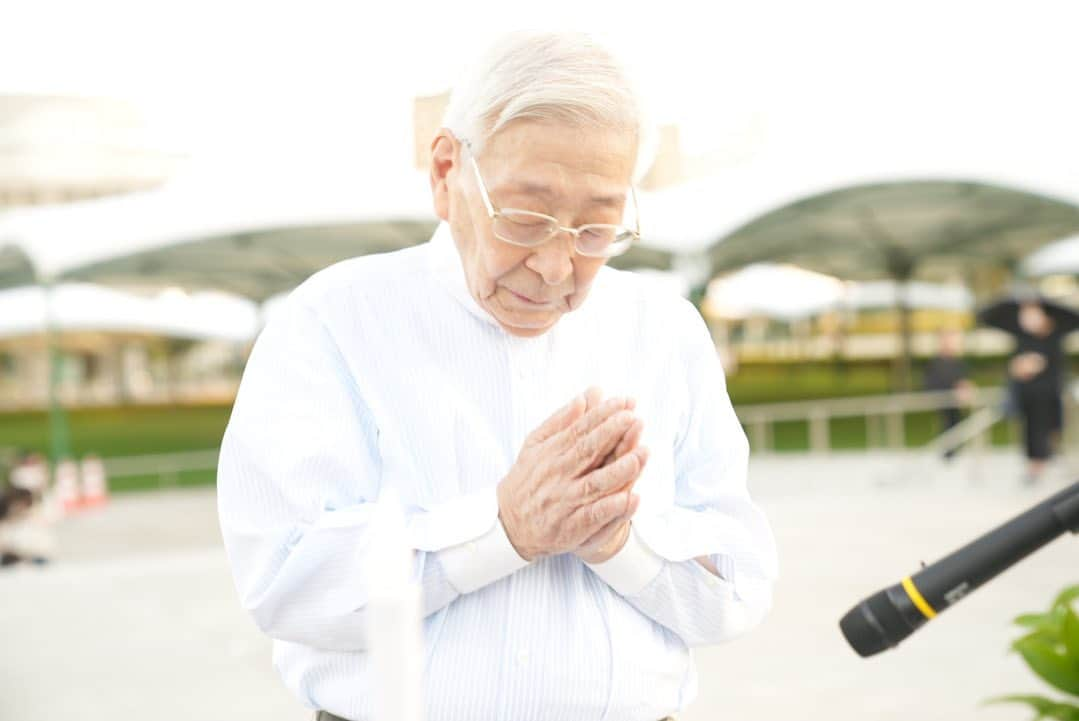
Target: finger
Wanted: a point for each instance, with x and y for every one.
(609, 479)
(629, 441)
(561, 419)
(592, 397)
(605, 534)
(589, 518)
(643, 460)
(590, 450)
(585, 424)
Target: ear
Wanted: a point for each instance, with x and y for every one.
(445, 156)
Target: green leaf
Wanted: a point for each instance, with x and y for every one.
(1069, 634)
(1040, 621)
(1044, 707)
(1051, 662)
(1047, 636)
(1031, 620)
(1067, 596)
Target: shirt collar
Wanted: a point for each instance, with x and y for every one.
(445, 264)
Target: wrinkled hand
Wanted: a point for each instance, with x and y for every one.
(610, 539)
(569, 483)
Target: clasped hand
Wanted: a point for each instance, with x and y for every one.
(571, 487)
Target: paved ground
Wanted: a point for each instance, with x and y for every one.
(139, 620)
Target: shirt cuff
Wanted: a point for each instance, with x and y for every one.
(632, 568)
(452, 522)
(474, 564)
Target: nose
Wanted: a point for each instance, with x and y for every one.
(553, 260)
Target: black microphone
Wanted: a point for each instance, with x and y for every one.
(889, 616)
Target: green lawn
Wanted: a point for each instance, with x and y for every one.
(125, 431)
(793, 381)
(162, 429)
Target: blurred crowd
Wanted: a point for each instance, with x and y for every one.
(26, 517)
(33, 499)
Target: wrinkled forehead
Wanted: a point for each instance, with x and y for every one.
(539, 156)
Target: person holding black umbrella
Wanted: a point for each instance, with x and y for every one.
(1036, 369)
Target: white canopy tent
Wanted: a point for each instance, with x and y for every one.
(77, 307)
(251, 236)
(774, 291)
(877, 294)
(790, 293)
(1060, 258)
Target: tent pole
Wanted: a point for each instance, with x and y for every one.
(59, 431)
(904, 361)
(901, 273)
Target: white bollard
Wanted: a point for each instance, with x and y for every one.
(393, 617)
(95, 486)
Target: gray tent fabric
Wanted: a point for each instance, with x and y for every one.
(255, 244)
(901, 229)
(256, 264)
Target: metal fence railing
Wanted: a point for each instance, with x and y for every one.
(166, 466)
(885, 416)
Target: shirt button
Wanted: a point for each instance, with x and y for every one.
(522, 658)
(471, 546)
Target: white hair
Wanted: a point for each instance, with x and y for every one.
(559, 77)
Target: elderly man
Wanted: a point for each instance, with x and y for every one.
(572, 544)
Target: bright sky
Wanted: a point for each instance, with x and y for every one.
(253, 80)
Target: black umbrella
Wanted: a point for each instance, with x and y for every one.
(1003, 314)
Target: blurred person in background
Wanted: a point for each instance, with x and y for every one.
(30, 472)
(571, 545)
(1036, 371)
(15, 505)
(25, 523)
(947, 371)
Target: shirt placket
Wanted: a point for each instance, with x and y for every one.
(526, 368)
(522, 357)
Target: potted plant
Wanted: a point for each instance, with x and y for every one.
(1051, 650)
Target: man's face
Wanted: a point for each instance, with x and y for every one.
(576, 175)
(1033, 319)
(951, 343)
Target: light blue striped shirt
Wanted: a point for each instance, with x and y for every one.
(383, 371)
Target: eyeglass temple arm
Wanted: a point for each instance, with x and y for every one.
(479, 181)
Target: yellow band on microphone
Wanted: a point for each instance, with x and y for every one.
(916, 597)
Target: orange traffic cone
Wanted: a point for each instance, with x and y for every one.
(67, 485)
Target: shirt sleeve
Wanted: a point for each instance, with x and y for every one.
(298, 480)
(712, 516)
